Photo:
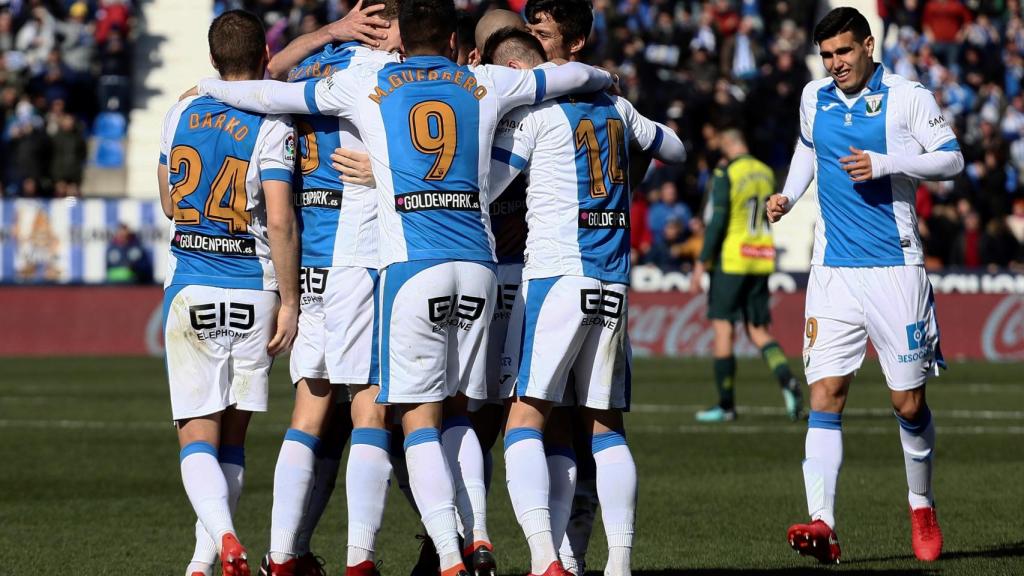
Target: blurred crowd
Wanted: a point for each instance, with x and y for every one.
(698, 65)
(64, 64)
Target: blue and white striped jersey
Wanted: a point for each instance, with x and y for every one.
(575, 152)
(337, 221)
(217, 158)
(869, 223)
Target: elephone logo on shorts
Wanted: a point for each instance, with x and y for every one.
(222, 319)
(602, 308)
(223, 245)
(604, 219)
(319, 198)
(457, 311)
(423, 201)
(506, 299)
(313, 282)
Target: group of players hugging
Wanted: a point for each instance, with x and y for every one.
(439, 232)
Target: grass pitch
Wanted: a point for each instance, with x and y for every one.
(89, 480)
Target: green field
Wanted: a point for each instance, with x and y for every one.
(89, 480)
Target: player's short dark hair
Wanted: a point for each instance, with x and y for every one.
(467, 30)
(510, 42)
(391, 8)
(427, 25)
(238, 43)
(839, 20)
(575, 18)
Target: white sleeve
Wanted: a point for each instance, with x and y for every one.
(653, 137)
(514, 143)
(517, 88)
(167, 133)
(941, 160)
(801, 173)
(806, 107)
(927, 124)
(262, 96)
(277, 152)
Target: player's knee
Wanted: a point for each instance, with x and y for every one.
(909, 407)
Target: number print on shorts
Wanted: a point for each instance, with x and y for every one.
(313, 280)
(222, 314)
(811, 331)
(601, 303)
(458, 311)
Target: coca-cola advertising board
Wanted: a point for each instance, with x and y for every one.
(127, 321)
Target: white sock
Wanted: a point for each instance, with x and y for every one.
(526, 473)
(401, 472)
(562, 487)
(325, 476)
(367, 477)
(293, 480)
(206, 488)
(616, 490)
(823, 451)
(431, 484)
(232, 464)
(918, 439)
(465, 460)
(488, 469)
(573, 549)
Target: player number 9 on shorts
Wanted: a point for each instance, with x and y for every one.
(811, 331)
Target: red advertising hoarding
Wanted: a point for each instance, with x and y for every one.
(126, 321)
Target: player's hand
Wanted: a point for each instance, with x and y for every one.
(696, 277)
(354, 166)
(360, 25)
(777, 207)
(857, 165)
(193, 91)
(284, 333)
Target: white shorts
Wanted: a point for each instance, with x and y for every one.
(893, 306)
(498, 363)
(337, 326)
(216, 341)
(434, 318)
(570, 324)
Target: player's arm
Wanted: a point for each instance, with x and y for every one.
(359, 25)
(331, 96)
(942, 159)
(514, 143)
(714, 234)
(523, 87)
(801, 165)
(277, 159)
(162, 172)
(653, 138)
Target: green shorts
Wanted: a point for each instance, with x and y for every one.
(739, 298)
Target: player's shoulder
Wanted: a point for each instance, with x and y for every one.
(172, 116)
(904, 88)
(812, 88)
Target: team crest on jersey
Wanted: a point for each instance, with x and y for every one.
(873, 104)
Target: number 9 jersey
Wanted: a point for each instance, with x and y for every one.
(217, 158)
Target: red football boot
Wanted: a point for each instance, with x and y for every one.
(367, 568)
(815, 539)
(554, 569)
(310, 564)
(479, 559)
(233, 559)
(925, 534)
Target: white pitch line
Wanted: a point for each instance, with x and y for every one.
(778, 411)
(854, 430)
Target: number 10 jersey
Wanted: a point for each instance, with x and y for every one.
(217, 159)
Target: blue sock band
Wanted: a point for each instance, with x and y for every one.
(567, 451)
(197, 448)
(372, 437)
(422, 436)
(519, 434)
(454, 422)
(826, 420)
(293, 435)
(606, 440)
(232, 455)
(918, 425)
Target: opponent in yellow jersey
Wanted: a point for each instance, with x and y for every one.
(740, 252)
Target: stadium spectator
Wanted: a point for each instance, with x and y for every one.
(57, 59)
(127, 260)
(666, 208)
(667, 252)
